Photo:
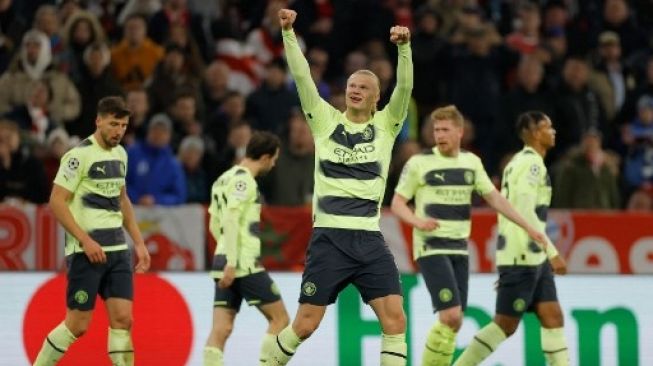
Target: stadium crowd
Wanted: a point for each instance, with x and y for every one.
(200, 76)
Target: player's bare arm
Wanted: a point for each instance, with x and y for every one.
(558, 264)
(59, 199)
(131, 225)
(501, 204)
(400, 208)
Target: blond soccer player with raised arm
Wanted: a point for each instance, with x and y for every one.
(353, 152)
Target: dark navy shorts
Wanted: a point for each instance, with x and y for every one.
(337, 257)
(87, 280)
(257, 289)
(446, 277)
(520, 288)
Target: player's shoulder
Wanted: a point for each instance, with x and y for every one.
(470, 156)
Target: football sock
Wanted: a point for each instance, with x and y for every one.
(484, 343)
(393, 350)
(283, 348)
(212, 356)
(121, 349)
(554, 346)
(440, 345)
(55, 345)
(268, 343)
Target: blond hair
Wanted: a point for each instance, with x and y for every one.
(450, 113)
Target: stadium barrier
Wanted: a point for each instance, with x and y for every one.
(608, 322)
(592, 241)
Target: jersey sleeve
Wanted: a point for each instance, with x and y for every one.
(397, 107)
(71, 170)
(409, 179)
(318, 112)
(482, 182)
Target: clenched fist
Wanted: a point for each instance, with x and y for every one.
(399, 35)
(287, 18)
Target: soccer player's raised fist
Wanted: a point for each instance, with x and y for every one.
(399, 35)
(287, 18)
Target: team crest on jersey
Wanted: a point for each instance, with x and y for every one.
(73, 164)
(309, 289)
(368, 133)
(81, 296)
(469, 177)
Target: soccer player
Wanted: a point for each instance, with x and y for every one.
(441, 181)
(90, 201)
(353, 151)
(235, 214)
(525, 275)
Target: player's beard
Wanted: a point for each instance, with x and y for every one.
(110, 142)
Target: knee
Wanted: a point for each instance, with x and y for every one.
(122, 321)
(223, 332)
(553, 320)
(453, 321)
(394, 322)
(78, 329)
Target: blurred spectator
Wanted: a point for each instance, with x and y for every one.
(638, 136)
(96, 82)
(33, 116)
(230, 112)
(57, 144)
(33, 64)
(587, 178)
(577, 107)
(136, 56)
(553, 54)
(171, 75)
(180, 36)
(144, 7)
(12, 28)
(427, 139)
(69, 7)
(269, 106)
(266, 41)
(527, 95)
(629, 110)
(475, 84)
(154, 176)
(382, 68)
(429, 61)
(139, 105)
(617, 18)
(47, 21)
(317, 20)
(612, 79)
(183, 112)
(640, 201)
(81, 30)
(175, 12)
(290, 183)
(234, 151)
(215, 86)
(21, 174)
(526, 37)
(190, 155)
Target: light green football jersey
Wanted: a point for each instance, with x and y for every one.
(351, 159)
(527, 186)
(442, 187)
(237, 189)
(95, 177)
